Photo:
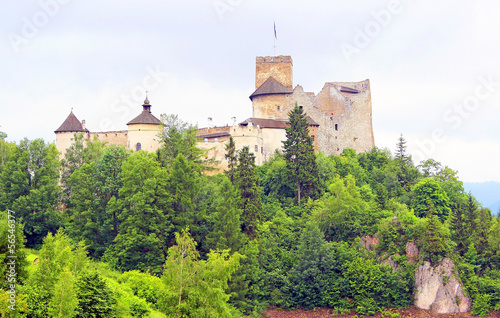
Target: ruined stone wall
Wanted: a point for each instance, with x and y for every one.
(345, 119)
(210, 130)
(279, 67)
(111, 137)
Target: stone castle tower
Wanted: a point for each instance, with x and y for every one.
(340, 115)
(342, 110)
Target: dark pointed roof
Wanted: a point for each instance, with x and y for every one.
(145, 117)
(71, 124)
(271, 86)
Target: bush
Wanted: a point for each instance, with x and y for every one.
(481, 305)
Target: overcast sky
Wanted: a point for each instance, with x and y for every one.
(434, 66)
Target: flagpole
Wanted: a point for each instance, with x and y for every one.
(274, 46)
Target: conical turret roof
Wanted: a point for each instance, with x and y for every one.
(271, 86)
(71, 124)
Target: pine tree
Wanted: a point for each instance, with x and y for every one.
(247, 182)
(400, 154)
(458, 227)
(299, 154)
(95, 298)
(232, 159)
(226, 233)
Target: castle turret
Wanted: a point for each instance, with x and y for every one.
(143, 130)
(65, 134)
(273, 82)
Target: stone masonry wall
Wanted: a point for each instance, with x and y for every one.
(279, 67)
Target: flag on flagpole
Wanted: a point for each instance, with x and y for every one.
(275, 37)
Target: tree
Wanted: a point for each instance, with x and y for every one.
(405, 171)
(80, 152)
(232, 159)
(247, 182)
(429, 167)
(51, 285)
(195, 288)
(184, 184)
(401, 156)
(306, 277)
(28, 186)
(12, 244)
(92, 211)
(144, 202)
(3, 135)
(95, 299)
(226, 232)
(179, 138)
(435, 240)
(299, 154)
(344, 214)
(458, 227)
(428, 191)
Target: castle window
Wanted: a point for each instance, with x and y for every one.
(336, 127)
(279, 108)
(256, 148)
(301, 107)
(312, 136)
(206, 140)
(138, 146)
(262, 149)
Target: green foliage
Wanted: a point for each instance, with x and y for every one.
(95, 299)
(232, 159)
(194, 287)
(79, 153)
(28, 184)
(92, 212)
(435, 240)
(179, 138)
(144, 203)
(428, 193)
(344, 214)
(247, 182)
(226, 232)
(481, 305)
(12, 244)
(144, 286)
(52, 284)
(299, 155)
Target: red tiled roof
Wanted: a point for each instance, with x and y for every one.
(71, 124)
(271, 86)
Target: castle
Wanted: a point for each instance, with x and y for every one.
(339, 116)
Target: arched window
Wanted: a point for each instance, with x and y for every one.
(138, 146)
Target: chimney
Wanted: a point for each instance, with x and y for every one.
(210, 122)
(234, 120)
(83, 124)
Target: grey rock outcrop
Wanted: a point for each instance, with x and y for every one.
(439, 288)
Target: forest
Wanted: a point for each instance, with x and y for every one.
(107, 232)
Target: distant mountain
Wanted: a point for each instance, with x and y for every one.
(487, 193)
